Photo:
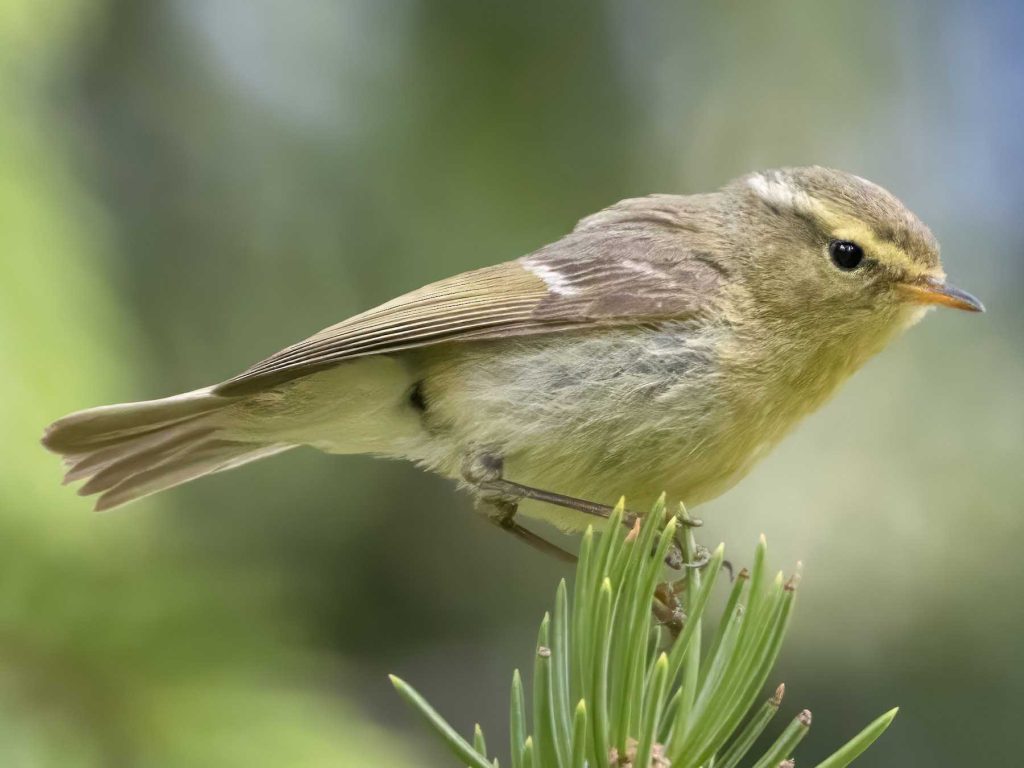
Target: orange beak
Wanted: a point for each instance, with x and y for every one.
(931, 291)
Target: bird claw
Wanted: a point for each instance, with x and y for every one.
(703, 558)
(674, 559)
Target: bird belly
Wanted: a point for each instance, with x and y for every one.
(595, 415)
(358, 407)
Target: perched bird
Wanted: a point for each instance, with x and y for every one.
(667, 342)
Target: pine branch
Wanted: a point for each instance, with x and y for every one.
(619, 677)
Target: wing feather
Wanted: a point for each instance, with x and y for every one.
(609, 271)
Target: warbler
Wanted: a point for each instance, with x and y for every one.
(667, 343)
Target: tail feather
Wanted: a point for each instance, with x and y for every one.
(131, 450)
(108, 423)
(95, 461)
(141, 458)
(215, 456)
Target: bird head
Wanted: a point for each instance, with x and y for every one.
(836, 253)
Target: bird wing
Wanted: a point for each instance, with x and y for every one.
(596, 276)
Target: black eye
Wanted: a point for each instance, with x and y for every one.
(845, 255)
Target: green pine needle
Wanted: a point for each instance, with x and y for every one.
(645, 693)
(462, 749)
(578, 757)
(848, 752)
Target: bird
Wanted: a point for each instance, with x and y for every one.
(665, 344)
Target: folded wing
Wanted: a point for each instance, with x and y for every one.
(596, 276)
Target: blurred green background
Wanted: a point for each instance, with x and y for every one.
(186, 186)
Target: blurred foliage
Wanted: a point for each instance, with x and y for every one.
(186, 186)
(115, 651)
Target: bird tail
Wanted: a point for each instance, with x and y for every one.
(131, 450)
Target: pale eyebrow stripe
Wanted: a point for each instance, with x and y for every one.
(777, 192)
(858, 232)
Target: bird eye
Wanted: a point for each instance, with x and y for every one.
(846, 255)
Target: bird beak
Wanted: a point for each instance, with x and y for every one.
(929, 290)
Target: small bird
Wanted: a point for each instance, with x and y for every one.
(667, 343)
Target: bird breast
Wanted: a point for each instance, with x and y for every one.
(595, 414)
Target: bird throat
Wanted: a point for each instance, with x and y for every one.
(776, 378)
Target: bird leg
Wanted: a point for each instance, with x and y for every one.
(483, 471)
(504, 518)
(667, 610)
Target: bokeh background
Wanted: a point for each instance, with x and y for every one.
(186, 186)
